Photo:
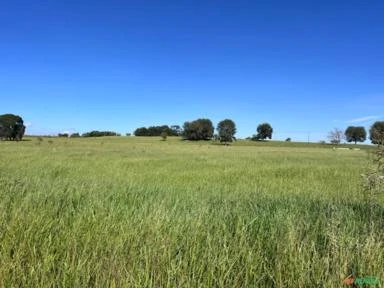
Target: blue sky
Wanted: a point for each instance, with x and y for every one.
(305, 67)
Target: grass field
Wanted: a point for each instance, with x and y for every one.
(140, 212)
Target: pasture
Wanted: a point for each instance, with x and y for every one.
(140, 212)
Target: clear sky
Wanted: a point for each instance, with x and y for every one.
(305, 67)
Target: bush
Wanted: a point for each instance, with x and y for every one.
(374, 178)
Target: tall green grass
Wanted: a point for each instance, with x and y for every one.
(140, 212)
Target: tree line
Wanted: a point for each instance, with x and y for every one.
(12, 128)
(94, 133)
(358, 134)
(174, 130)
(199, 129)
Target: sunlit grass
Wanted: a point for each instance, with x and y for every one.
(140, 212)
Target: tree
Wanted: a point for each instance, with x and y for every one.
(264, 131)
(226, 130)
(200, 129)
(335, 136)
(355, 134)
(157, 130)
(176, 130)
(96, 133)
(11, 127)
(64, 135)
(143, 131)
(377, 133)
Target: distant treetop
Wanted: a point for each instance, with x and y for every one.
(355, 134)
(11, 127)
(100, 134)
(200, 129)
(377, 133)
(226, 130)
(264, 131)
(174, 130)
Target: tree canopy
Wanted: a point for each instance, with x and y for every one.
(96, 133)
(174, 130)
(11, 127)
(63, 135)
(200, 129)
(226, 130)
(264, 131)
(355, 134)
(377, 133)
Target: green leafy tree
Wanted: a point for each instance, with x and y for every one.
(11, 127)
(96, 133)
(176, 130)
(200, 129)
(157, 130)
(226, 130)
(63, 135)
(355, 134)
(377, 133)
(142, 131)
(264, 131)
